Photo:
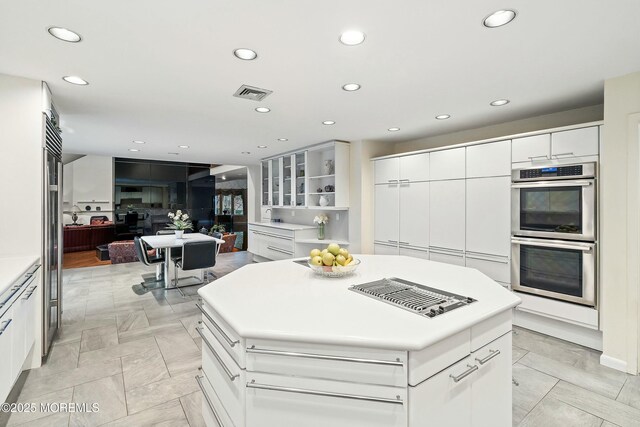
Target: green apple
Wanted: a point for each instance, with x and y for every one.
(324, 251)
(334, 248)
(314, 253)
(316, 260)
(341, 260)
(328, 259)
(344, 252)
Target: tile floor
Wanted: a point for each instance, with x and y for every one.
(137, 355)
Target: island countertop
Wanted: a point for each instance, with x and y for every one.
(283, 300)
(11, 268)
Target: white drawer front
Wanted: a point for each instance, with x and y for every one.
(447, 258)
(433, 359)
(213, 411)
(226, 336)
(490, 329)
(343, 364)
(274, 400)
(498, 268)
(226, 378)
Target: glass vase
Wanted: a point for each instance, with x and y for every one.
(320, 231)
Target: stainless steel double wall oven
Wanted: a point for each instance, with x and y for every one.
(554, 232)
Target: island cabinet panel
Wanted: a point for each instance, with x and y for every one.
(213, 412)
(278, 400)
(6, 338)
(490, 329)
(433, 359)
(443, 401)
(224, 334)
(368, 366)
(491, 392)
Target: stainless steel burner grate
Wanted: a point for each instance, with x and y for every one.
(410, 296)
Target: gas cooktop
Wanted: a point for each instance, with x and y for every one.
(416, 298)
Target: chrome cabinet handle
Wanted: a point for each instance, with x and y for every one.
(487, 257)
(391, 181)
(218, 328)
(255, 350)
(544, 156)
(396, 401)
(206, 396)
(446, 251)
(563, 154)
(404, 243)
(279, 250)
(230, 374)
(471, 370)
(492, 354)
(6, 325)
(404, 180)
(392, 241)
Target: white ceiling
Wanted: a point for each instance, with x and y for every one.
(163, 71)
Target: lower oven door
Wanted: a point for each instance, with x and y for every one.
(554, 268)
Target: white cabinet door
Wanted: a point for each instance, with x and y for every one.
(386, 218)
(18, 342)
(493, 159)
(447, 164)
(385, 249)
(531, 148)
(6, 337)
(31, 307)
(443, 401)
(455, 258)
(446, 214)
(414, 214)
(575, 143)
(386, 170)
(488, 218)
(415, 167)
(491, 389)
(414, 252)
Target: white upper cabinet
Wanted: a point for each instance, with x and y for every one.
(446, 219)
(493, 159)
(386, 213)
(386, 170)
(488, 216)
(414, 167)
(447, 164)
(414, 214)
(531, 148)
(575, 143)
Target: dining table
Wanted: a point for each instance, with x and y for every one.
(166, 242)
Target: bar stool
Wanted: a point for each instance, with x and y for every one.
(195, 256)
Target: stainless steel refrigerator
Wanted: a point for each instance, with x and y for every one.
(52, 233)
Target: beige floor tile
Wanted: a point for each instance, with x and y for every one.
(150, 331)
(532, 386)
(117, 351)
(143, 368)
(62, 357)
(132, 320)
(56, 420)
(169, 414)
(63, 395)
(630, 394)
(192, 405)
(97, 338)
(141, 398)
(108, 393)
(184, 363)
(176, 344)
(518, 414)
(190, 323)
(558, 350)
(517, 353)
(554, 413)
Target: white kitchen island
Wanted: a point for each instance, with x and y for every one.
(284, 347)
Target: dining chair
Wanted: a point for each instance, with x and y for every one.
(195, 256)
(143, 256)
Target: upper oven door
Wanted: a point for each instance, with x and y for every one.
(555, 209)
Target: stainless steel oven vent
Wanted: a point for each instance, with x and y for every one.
(413, 297)
(252, 93)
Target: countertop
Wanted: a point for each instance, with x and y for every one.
(11, 268)
(284, 225)
(282, 300)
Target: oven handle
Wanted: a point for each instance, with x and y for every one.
(584, 247)
(544, 184)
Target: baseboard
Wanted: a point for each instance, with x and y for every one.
(565, 331)
(613, 363)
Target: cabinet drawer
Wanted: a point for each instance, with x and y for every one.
(224, 375)
(223, 333)
(495, 267)
(343, 363)
(213, 411)
(433, 359)
(385, 249)
(455, 258)
(414, 252)
(283, 244)
(275, 400)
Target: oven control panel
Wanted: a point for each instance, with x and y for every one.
(584, 170)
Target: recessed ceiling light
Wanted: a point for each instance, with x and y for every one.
(183, 146)
(443, 117)
(393, 129)
(499, 18)
(137, 141)
(75, 80)
(282, 139)
(499, 102)
(350, 87)
(352, 37)
(64, 34)
(328, 122)
(133, 150)
(246, 152)
(224, 177)
(245, 54)
(262, 110)
(262, 146)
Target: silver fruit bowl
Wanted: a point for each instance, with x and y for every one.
(334, 271)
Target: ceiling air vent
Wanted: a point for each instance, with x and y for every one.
(253, 93)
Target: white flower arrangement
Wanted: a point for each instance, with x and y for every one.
(179, 221)
(321, 219)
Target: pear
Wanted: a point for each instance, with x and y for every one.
(316, 260)
(334, 248)
(328, 259)
(315, 253)
(324, 251)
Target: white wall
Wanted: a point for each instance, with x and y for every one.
(547, 121)
(619, 185)
(89, 182)
(20, 166)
